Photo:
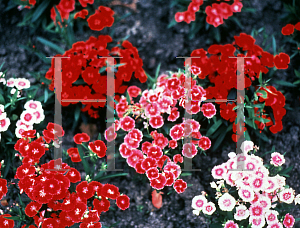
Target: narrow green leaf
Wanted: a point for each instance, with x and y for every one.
(297, 73)
(274, 44)
(172, 23)
(296, 82)
(39, 10)
(284, 83)
(220, 138)
(157, 71)
(110, 176)
(45, 95)
(51, 45)
(185, 174)
(2, 101)
(214, 127)
(85, 164)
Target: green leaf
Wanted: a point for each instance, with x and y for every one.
(2, 101)
(214, 127)
(297, 73)
(250, 10)
(99, 137)
(260, 78)
(110, 176)
(39, 10)
(296, 82)
(286, 171)
(262, 136)
(14, 117)
(45, 95)
(220, 138)
(51, 45)
(264, 93)
(172, 23)
(185, 174)
(86, 165)
(274, 44)
(157, 71)
(284, 83)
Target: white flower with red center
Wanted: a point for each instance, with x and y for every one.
(275, 225)
(288, 221)
(247, 195)
(28, 117)
(209, 208)
(241, 213)
(271, 216)
(280, 181)
(277, 159)
(287, 195)
(258, 184)
(208, 110)
(176, 132)
(22, 83)
(189, 150)
(265, 202)
(256, 210)
(4, 124)
(219, 172)
(231, 224)
(10, 82)
(127, 123)
(36, 105)
(198, 202)
(257, 222)
(226, 202)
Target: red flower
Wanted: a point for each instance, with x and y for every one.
(28, 134)
(281, 61)
(49, 223)
(158, 183)
(297, 26)
(227, 111)
(36, 150)
(98, 147)
(177, 158)
(84, 2)
(3, 187)
(267, 59)
(103, 17)
(109, 191)
(148, 163)
(176, 132)
(208, 110)
(73, 175)
(123, 202)
(156, 122)
(6, 223)
(288, 221)
(25, 170)
(180, 186)
(84, 190)
(40, 194)
(81, 137)
(173, 144)
(78, 212)
(179, 17)
(53, 131)
(32, 209)
(74, 154)
(101, 205)
(288, 29)
(82, 14)
(245, 41)
(152, 173)
(127, 123)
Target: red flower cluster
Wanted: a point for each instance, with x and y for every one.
(152, 105)
(84, 61)
(64, 8)
(289, 29)
(221, 71)
(215, 13)
(49, 189)
(103, 17)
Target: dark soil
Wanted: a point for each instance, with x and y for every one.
(157, 44)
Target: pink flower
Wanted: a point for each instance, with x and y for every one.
(127, 123)
(208, 110)
(176, 132)
(288, 221)
(189, 150)
(230, 224)
(156, 122)
(133, 91)
(277, 159)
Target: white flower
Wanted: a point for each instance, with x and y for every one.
(226, 202)
(28, 117)
(247, 146)
(287, 195)
(231, 155)
(277, 159)
(257, 221)
(198, 202)
(10, 82)
(22, 83)
(271, 216)
(241, 213)
(297, 199)
(36, 105)
(209, 208)
(196, 212)
(4, 124)
(213, 185)
(246, 194)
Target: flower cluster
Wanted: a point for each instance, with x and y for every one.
(289, 29)
(154, 109)
(249, 194)
(48, 186)
(221, 71)
(84, 63)
(215, 13)
(16, 84)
